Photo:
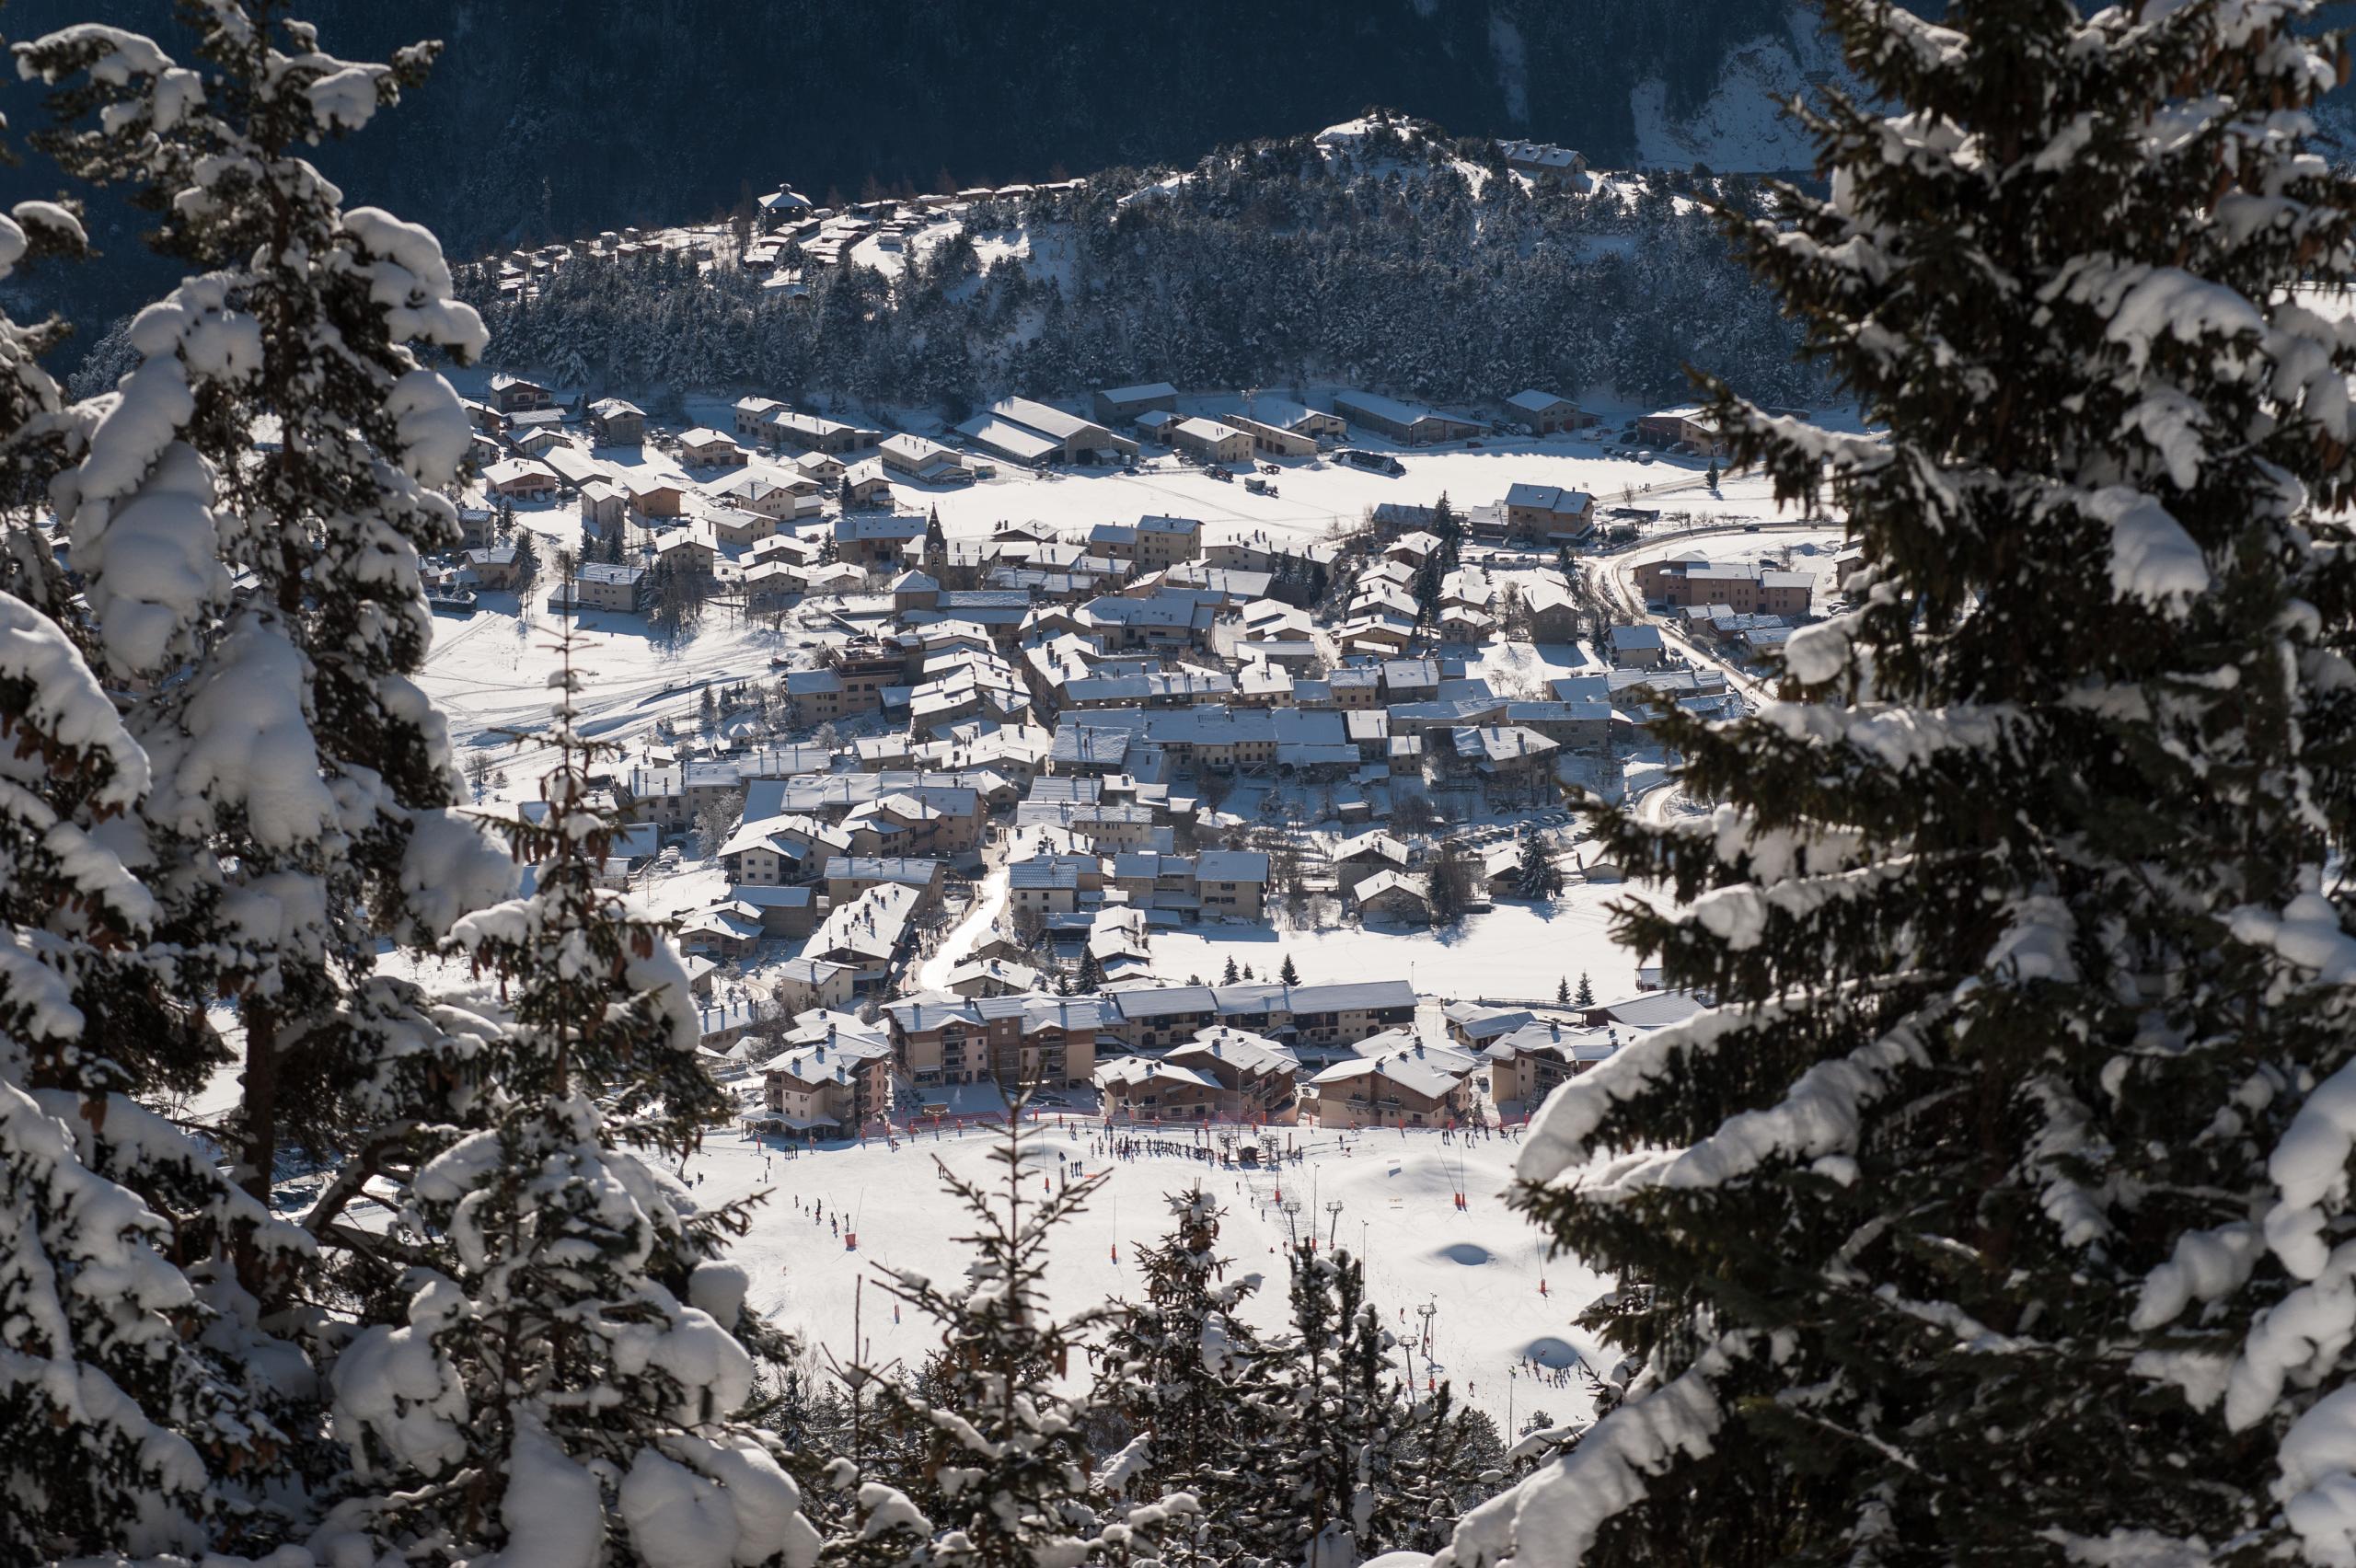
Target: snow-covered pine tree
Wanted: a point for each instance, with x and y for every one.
(1000, 1459)
(246, 520)
(1330, 1492)
(1536, 876)
(1184, 1373)
(1920, 1234)
(567, 1370)
(136, 1399)
(1448, 528)
(130, 1395)
(1288, 973)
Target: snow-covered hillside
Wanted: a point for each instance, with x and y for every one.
(1494, 1334)
(1742, 127)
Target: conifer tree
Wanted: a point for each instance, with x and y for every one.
(567, 1366)
(1288, 974)
(1336, 1488)
(1924, 1235)
(1448, 528)
(132, 1396)
(1228, 975)
(1536, 876)
(262, 596)
(1188, 1375)
(1000, 1462)
(1584, 995)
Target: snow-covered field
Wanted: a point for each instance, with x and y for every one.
(1481, 1265)
(1514, 952)
(1317, 497)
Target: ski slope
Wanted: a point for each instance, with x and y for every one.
(1481, 1265)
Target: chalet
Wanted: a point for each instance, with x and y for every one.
(877, 541)
(1298, 419)
(682, 552)
(1544, 412)
(603, 503)
(1527, 1064)
(618, 423)
(1232, 884)
(1273, 441)
(940, 1038)
(520, 478)
(1535, 158)
(847, 876)
(1150, 544)
(1688, 430)
(1146, 1088)
(753, 415)
(837, 1084)
(1549, 512)
(657, 498)
(866, 485)
(805, 983)
(734, 527)
(869, 934)
(1211, 441)
(928, 462)
(544, 440)
(597, 586)
(703, 447)
(809, 433)
(1637, 647)
(514, 394)
(1415, 1087)
(1393, 896)
(1255, 1075)
(494, 566)
(822, 466)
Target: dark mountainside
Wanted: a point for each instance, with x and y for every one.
(544, 124)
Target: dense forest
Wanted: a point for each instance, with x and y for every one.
(1408, 265)
(670, 111)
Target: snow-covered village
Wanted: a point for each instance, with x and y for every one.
(1593, 836)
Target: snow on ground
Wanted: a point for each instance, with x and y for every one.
(1481, 1265)
(1513, 952)
(1318, 497)
(1741, 127)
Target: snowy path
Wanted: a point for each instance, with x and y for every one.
(933, 975)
